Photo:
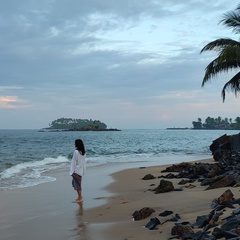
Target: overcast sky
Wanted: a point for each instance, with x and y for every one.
(128, 63)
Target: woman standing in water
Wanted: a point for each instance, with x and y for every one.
(78, 168)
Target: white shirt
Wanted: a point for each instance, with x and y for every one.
(78, 163)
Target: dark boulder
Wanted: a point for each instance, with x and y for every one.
(148, 177)
(225, 181)
(226, 197)
(164, 186)
(142, 213)
(183, 231)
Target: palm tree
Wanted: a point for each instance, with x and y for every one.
(229, 54)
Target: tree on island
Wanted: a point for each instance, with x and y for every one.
(229, 54)
(217, 123)
(77, 124)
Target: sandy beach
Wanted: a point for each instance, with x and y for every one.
(131, 193)
(111, 195)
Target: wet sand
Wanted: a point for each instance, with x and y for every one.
(46, 211)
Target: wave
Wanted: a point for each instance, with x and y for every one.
(35, 165)
(30, 173)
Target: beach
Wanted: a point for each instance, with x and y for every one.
(111, 195)
(131, 193)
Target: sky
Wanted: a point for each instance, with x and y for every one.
(132, 64)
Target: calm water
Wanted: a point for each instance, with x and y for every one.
(28, 157)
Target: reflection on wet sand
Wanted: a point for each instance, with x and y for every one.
(80, 211)
(81, 230)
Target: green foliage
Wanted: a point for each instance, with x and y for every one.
(198, 124)
(217, 123)
(228, 55)
(71, 124)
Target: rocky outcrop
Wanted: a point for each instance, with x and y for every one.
(224, 146)
(225, 172)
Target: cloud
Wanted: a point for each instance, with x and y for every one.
(12, 102)
(129, 63)
(5, 88)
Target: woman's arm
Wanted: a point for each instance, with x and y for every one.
(73, 163)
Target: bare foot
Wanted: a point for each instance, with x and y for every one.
(78, 201)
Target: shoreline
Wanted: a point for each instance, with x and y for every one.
(111, 194)
(46, 211)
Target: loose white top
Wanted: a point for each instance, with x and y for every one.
(78, 164)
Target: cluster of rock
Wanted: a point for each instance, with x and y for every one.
(212, 227)
(209, 227)
(224, 172)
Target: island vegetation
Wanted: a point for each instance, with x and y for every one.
(217, 123)
(70, 124)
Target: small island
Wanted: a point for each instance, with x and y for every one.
(217, 123)
(70, 124)
(211, 123)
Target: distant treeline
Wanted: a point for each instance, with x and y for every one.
(76, 124)
(217, 123)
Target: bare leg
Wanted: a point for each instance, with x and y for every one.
(77, 180)
(79, 199)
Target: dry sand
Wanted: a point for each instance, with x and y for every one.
(46, 211)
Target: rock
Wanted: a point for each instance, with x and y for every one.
(226, 197)
(142, 213)
(225, 181)
(184, 181)
(220, 154)
(224, 146)
(215, 171)
(201, 169)
(237, 181)
(223, 234)
(183, 231)
(165, 213)
(148, 177)
(209, 181)
(152, 223)
(164, 186)
(178, 168)
(222, 142)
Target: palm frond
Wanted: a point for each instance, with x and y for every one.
(229, 58)
(232, 20)
(220, 44)
(229, 54)
(233, 84)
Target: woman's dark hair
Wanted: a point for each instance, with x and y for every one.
(80, 146)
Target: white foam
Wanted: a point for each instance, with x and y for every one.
(37, 167)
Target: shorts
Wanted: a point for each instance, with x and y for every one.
(77, 181)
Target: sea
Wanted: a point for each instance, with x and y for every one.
(30, 157)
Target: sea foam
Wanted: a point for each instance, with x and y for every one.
(33, 168)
